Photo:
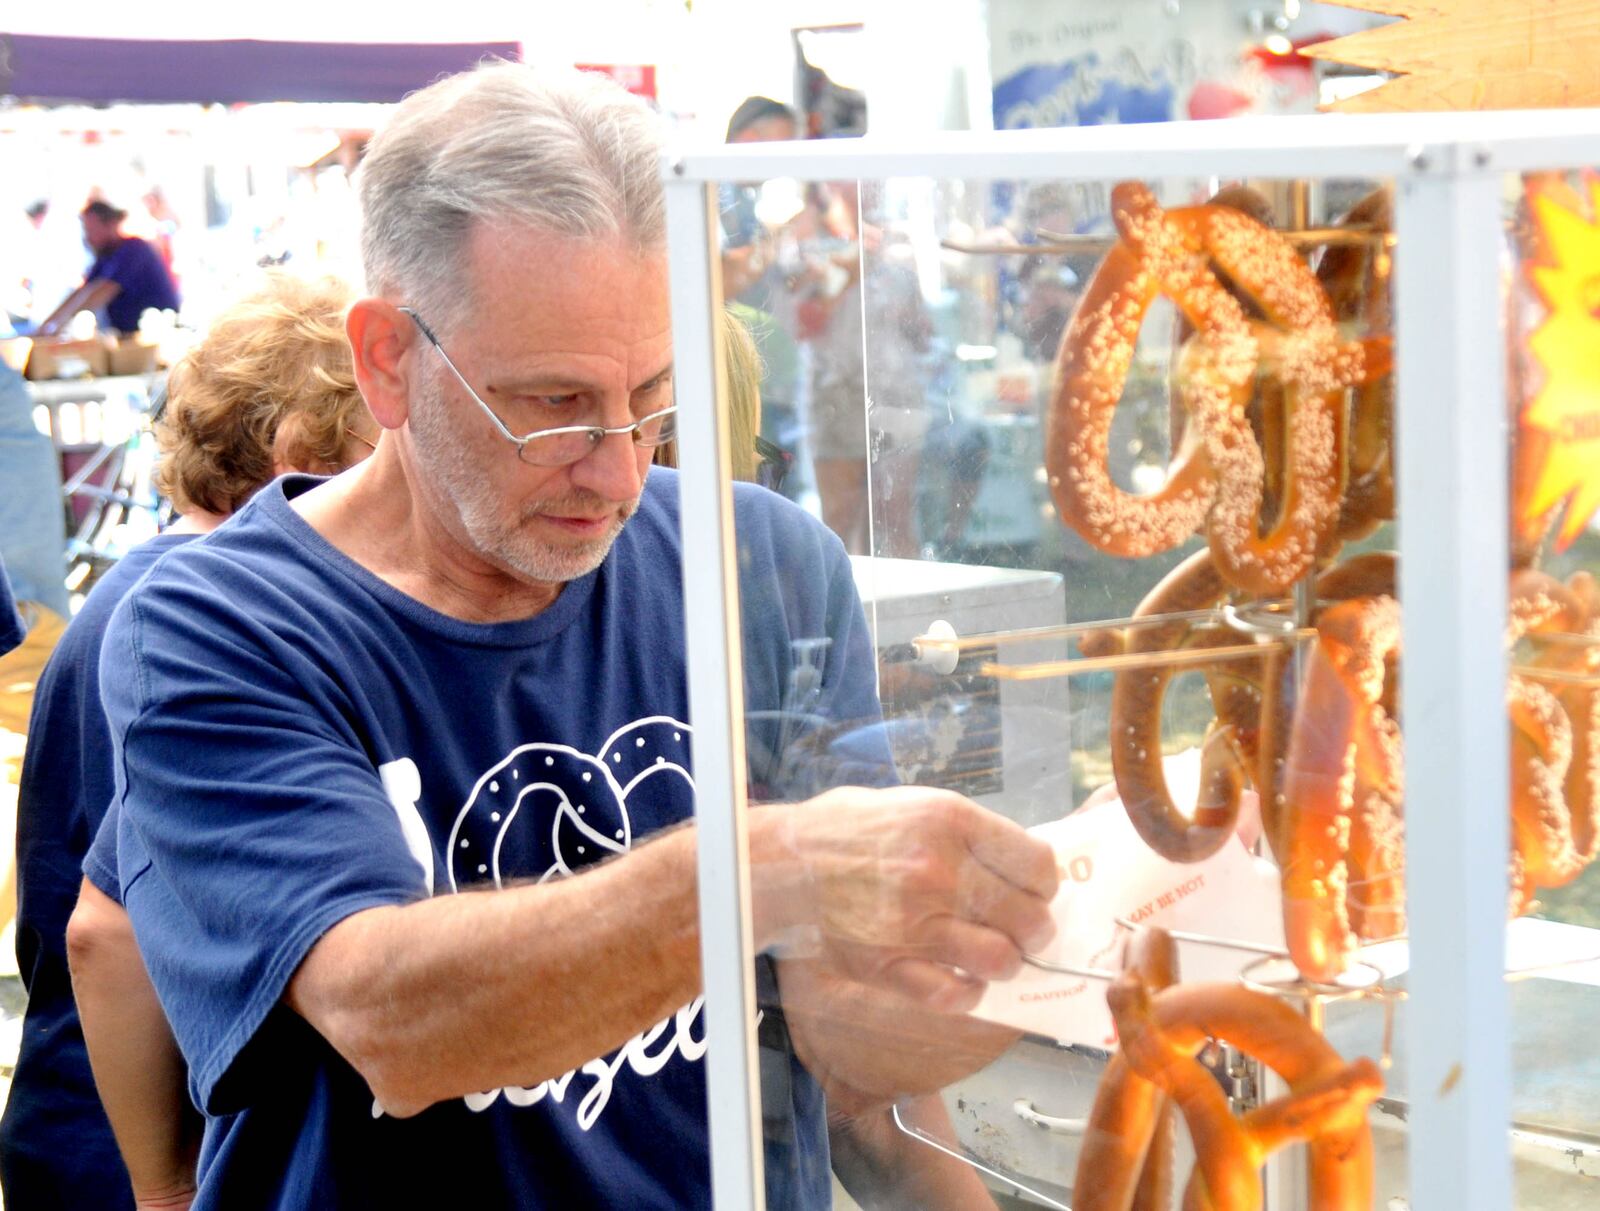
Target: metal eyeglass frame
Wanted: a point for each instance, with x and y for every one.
(596, 433)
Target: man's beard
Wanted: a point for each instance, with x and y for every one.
(443, 458)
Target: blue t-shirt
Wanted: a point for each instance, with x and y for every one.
(298, 741)
(56, 1147)
(12, 632)
(138, 268)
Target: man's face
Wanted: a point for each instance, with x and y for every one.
(550, 331)
(99, 235)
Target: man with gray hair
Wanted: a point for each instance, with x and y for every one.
(459, 668)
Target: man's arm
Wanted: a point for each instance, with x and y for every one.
(91, 296)
(466, 993)
(137, 1066)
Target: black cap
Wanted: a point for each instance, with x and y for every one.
(757, 109)
(104, 211)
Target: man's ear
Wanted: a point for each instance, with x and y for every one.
(380, 337)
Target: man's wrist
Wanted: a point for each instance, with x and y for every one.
(781, 890)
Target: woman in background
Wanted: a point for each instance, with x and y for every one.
(269, 390)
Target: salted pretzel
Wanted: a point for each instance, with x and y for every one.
(1341, 841)
(1136, 701)
(1161, 1034)
(1555, 736)
(1341, 848)
(1252, 704)
(1357, 279)
(1125, 1161)
(1217, 473)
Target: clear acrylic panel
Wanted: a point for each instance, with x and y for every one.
(1112, 463)
(1552, 247)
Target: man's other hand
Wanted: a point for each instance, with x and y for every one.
(920, 892)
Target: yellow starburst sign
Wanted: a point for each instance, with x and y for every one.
(1564, 415)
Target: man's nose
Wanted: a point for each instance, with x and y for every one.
(612, 469)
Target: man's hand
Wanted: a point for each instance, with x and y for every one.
(867, 1046)
(920, 892)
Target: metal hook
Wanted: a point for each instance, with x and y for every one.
(965, 1159)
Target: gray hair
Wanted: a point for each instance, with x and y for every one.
(566, 151)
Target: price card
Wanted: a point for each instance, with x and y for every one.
(1108, 872)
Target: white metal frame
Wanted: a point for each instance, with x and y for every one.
(1452, 438)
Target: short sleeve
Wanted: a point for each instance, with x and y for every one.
(252, 819)
(813, 719)
(100, 863)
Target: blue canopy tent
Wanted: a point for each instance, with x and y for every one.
(93, 70)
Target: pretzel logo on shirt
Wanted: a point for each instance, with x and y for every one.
(547, 810)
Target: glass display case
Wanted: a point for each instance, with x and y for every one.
(1220, 501)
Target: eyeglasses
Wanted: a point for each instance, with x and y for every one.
(773, 463)
(567, 444)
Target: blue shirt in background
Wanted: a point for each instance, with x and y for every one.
(138, 268)
(297, 741)
(12, 632)
(33, 526)
(56, 1147)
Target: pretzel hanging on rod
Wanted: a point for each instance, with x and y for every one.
(1342, 832)
(1217, 476)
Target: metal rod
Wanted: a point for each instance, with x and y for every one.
(1181, 657)
(1561, 676)
(965, 1159)
(1067, 969)
(1204, 939)
(1539, 969)
(1067, 630)
(1068, 242)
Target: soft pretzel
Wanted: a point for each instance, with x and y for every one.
(1125, 1161)
(1253, 709)
(1357, 278)
(1341, 845)
(1161, 1034)
(1219, 470)
(1341, 789)
(1555, 738)
(1136, 702)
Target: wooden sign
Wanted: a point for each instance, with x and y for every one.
(1474, 54)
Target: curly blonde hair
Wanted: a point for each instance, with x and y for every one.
(271, 381)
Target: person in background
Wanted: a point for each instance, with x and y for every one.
(744, 400)
(33, 527)
(127, 277)
(269, 390)
(868, 331)
(746, 247)
(11, 628)
(756, 280)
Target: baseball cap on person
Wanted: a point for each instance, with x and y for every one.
(755, 109)
(104, 211)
